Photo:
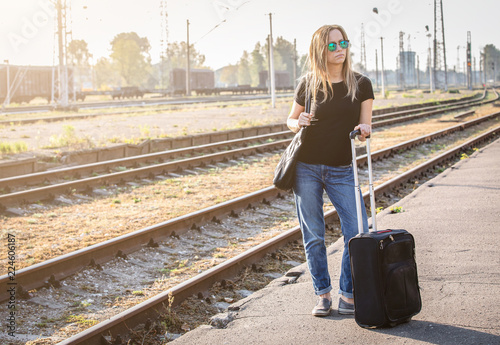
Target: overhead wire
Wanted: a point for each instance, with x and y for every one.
(219, 24)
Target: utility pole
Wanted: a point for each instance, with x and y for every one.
(268, 66)
(271, 60)
(418, 72)
(63, 81)
(410, 64)
(429, 59)
(376, 67)
(439, 46)
(163, 40)
(188, 64)
(294, 62)
(382, 61)
(474, 72)
(7, 98)
(402, 60)
(363, 49)
(481, 67)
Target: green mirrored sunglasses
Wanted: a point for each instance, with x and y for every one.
(333, 46)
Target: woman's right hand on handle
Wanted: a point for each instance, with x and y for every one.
(304, 119)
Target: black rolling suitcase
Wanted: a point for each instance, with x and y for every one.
(384, 271)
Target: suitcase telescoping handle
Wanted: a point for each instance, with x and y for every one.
(357, 190)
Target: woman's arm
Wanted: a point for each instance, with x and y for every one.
(365, 119)
(297, 118)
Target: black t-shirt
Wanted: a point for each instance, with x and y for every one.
(327, 140)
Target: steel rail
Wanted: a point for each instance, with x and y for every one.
(140, 103)
(87, 169)
(152, 308)
(390, 119)
(36, 178)
(35, 276)
(146, 102)
(427, 109)
(49, 192)
(60, 267)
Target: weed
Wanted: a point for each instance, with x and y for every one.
(85, 303)
(165, 270)
(16, 147)
(114, 140)
(145, 131)
(247, 123)
(81, 320)
(396, 209)
(379, 209)
(464, 156)
(69, 139)
(170, 319)
(183, 263)
(138, 293)
(116, 201)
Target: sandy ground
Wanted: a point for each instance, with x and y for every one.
(69, 135)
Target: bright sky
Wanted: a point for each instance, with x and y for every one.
(27, 27)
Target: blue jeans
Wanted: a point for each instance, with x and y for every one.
(338, 182)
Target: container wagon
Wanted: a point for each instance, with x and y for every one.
(282, 80)
(29, 82)
(202, 81)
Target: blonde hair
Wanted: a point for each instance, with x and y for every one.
(317, 76)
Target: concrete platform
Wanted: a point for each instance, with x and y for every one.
(455, 219)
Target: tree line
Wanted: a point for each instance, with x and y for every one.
(129, 63)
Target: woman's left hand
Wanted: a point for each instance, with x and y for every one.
(366, 130)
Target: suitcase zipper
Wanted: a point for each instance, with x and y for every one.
(382, 242)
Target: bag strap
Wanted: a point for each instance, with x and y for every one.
(308, 97)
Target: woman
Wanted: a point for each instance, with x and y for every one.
(341, 102)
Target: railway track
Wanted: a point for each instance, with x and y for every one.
(149, 309)
(139, 103)
(131, 168)
(55, 270)
(258, 200)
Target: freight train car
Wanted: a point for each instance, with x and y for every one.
(281, 79)
(202, 81)
(29, 82)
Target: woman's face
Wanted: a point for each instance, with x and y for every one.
(338, 56)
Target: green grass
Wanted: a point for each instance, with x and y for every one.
(69, 139)
(15, 147)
